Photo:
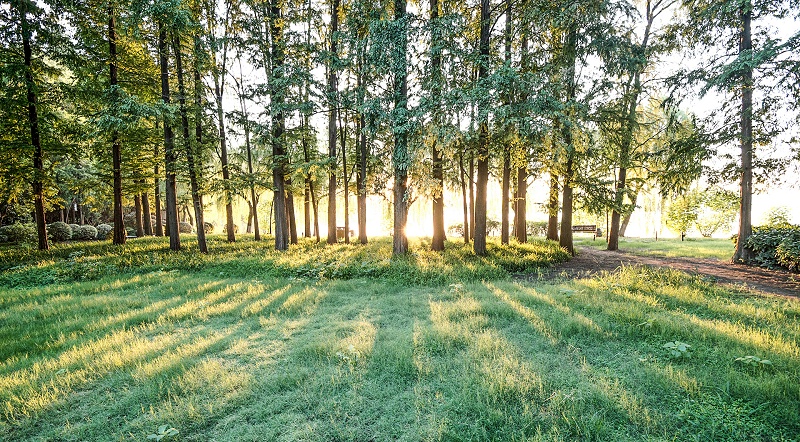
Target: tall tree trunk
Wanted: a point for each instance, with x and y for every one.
(462, 172)
(345, 177)
(33, 121)
(157, 187)
(479, 244)
(400, 158)
(332, 117)
(278, 128)
(744, 254)
(521, 205)
(219, 75)
(472, 194)
(170, 155)
(137, 214)
(570, 52)
(552, 208)
(187, 144)
(249, 150)
(361, 180)
(249, 228)
(506, 180)
(308, 184)
(116, 144)
(437, 243)
(148, 221)
(290, 215)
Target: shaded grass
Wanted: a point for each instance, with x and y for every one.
(232, 357)
(246, 258)
(721, 249)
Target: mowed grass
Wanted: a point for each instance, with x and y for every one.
(229, 354)
(721, 249)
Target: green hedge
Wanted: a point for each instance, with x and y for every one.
(776, 246)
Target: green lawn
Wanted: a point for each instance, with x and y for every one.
(345, 343)
(692, 247)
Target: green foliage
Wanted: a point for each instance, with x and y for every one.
(185, 227)
(678, 349)
(86, 232)
(164, 431)
(59, 231)
(778, 217)
(682, 212)
(754, 362)
(19, 233)
(776, 247)
(74, 228)
(537, 228)
(719, 208)
(103, 230)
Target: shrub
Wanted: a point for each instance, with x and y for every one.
(225, 228)
(59, 231)
(537, 228)
(75, 228)
(775, 247)
(85, 232)
(184, 227)
(130, 231)
(19, 233)
(103, 230)
(208, 227)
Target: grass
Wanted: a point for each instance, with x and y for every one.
(267, 353)
(721, 249)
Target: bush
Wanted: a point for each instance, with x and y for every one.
(775, 247)
(75, 228)
(537, 228)
(225, 228)
(19, 233)
(85, 232)
(103, 230)
(130, 231)
(208, 227)
(184, 227)
(59, 231)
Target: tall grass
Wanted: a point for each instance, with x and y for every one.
(228, 354)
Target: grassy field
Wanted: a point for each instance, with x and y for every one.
(344, 343)
(693, 248)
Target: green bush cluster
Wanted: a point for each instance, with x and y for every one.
(18, 233)
(776, 246)
(59, 231)
(103, 230)
(85, 232)
(184, 227)
(74, 228)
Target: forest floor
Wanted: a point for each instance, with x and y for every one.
(590, 261)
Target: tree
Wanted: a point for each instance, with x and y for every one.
(400, 122)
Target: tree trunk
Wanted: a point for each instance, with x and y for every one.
(187, 144)
(332, 117)
(522, 205)
(116, 144)
(278, 128)
(462, 172)
(744, 254)
(400, 158)
(219, 90)
(170, 155)
(479, 244)
(137, 214)
(570, 52)
(157, 196)
(504, 200)
(33, 121)
(148, 221)
(361, 180)
(345, 177)
(472, 194)
(627, 219)
(437, 243)
(249, 218)
(249, 149)
(290, 216)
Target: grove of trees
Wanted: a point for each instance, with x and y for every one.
(169, 106)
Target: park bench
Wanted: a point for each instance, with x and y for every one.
(588, 228)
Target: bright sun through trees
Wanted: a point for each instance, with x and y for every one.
(391, 220)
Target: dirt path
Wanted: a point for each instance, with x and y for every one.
(590, 261)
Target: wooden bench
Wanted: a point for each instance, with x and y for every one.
(588, 228)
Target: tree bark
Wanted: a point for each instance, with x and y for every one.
(504, 200)
(187, 144)
(332, 117)
(345, 178)
(219, 89)
(148, 221)
(400, 158)
(570, 52)
(137, 214)
(522, 205)
(464, 195)
(361, 180)
(437, 243)
(33, 121)
(479, 244)
(157, 196)
(744, 254)
(170, 155)
(278, 128)
(120, 234)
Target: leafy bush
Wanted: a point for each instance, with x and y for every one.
(75, 228)
(103, 230)
(776, 246)
(184, 227)
(85, 232)
(208, 227)
(130, 231)
(235, 228)
(19, 233)
(59, 231)
(537, 228)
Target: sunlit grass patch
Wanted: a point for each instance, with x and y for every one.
(715, 248)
